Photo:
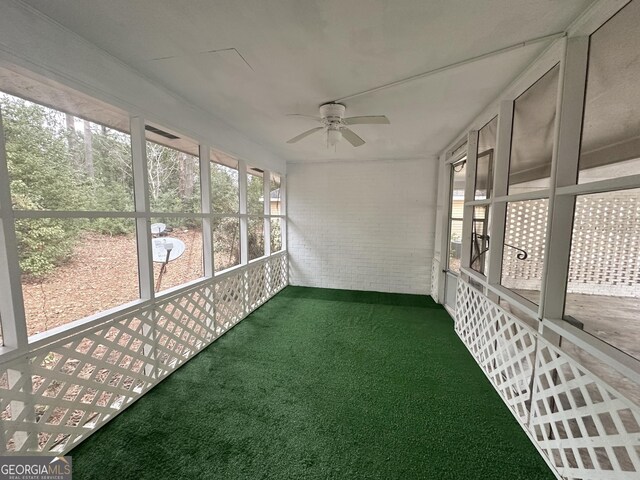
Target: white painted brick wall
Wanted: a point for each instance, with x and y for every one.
(362, 225)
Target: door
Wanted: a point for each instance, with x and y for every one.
(456, 208)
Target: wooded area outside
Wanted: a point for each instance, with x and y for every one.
(75, 267)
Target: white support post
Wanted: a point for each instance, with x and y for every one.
(14, 325)
(283, 212)
(437, 251)
(566, 172)
(437, 238)
(284, 221)
(444, 191)
(469, 189)
(498, 210)
(552, 177)
(244, 232)
(266, 184)
(141, 193)
(205, 189)
(244, 229)
(143, 235)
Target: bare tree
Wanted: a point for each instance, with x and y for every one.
(88, 149)
(186, 176)
(162, 168)
(72, 140)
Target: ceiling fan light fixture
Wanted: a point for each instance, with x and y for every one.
(334, 136)
(333, 122)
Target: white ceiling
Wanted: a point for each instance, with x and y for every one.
(305, 52)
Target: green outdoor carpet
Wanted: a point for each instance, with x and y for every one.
(321, 384)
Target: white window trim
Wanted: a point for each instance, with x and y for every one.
(14, 328)
(570, 52)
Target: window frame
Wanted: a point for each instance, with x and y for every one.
(237, 215)
(572, 53)
(12, 312)
(459, 157)
(498, 203)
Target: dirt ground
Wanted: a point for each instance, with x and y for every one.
(102, 273)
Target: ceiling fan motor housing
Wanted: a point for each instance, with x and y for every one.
(332, 113)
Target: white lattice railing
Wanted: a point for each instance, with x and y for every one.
(61, 392)
(583, 427)
(435, 277)
(503, 346)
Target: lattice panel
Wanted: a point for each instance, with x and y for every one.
(258, 289)
(54, 397)
(588, 429)
(277, 273)
(184, 325)
(230, 303)
(502, 346)
(585, 427)
(435, 276)
(51, 401)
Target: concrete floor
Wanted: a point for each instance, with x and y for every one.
(616, 320)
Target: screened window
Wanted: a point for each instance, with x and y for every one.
(275, 208)
(256, 209)
(58, 161)
(226, 242)
(603, 286)
(275, 195)
(610, 141)
(276, 234)
(524, 247)
(177, 251)
(484, 167)
(225, 190)
(256, 237)
(68, 152)
(173, 170)
(603, 289)
(456, 209)
(255, 191)
(74, 268)
(534, 117)
(225, 202)
(76, 218)
(480, 239)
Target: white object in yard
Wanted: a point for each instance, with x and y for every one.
(162, 245)
(158, 228)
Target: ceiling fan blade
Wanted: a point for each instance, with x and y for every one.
(317, 119)
(351, 137)
(305, 134)
(368, 120)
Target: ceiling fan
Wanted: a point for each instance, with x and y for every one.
(333, 122)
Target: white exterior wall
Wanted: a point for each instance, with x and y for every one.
(363, 225)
